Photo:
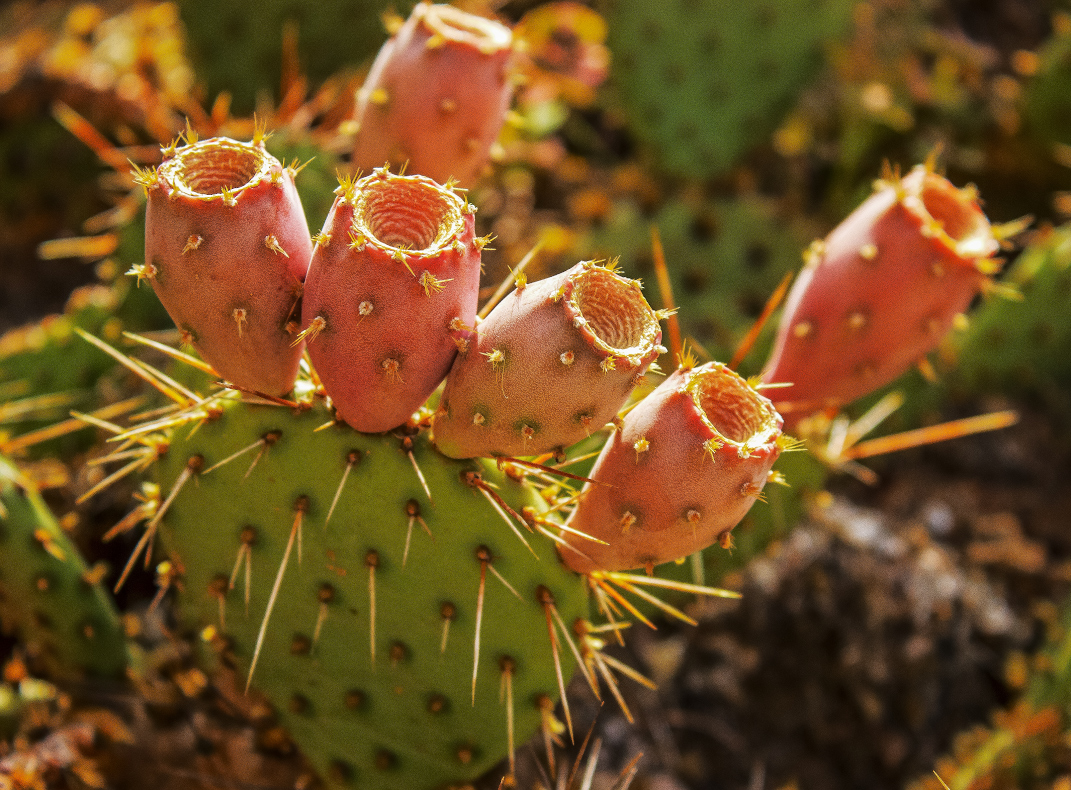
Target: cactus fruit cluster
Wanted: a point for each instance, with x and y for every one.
(345, 510)
(305, 534)
(370, 499)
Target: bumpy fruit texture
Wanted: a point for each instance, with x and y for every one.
(49, 598)
(551, 364)
(369, 649)
(436, 96)
(395, 276)
(684, 468)
(226, 250)
(880, 292)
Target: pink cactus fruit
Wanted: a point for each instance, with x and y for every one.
(683, 469)
(226, 250)
(553, 362)
(437, 95)
(395, 274)
(880, 292)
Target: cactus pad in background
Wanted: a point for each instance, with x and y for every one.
(707, 430)
(881, 291)
(376, 618)
(243, 53)
(1021, 346)
(550, 365)
(394, 276)
(437, 96)
(702, 81)
(1046, 102)
(48, 596)
(226, 250)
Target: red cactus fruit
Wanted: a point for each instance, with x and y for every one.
(394, 275)
(226, 250)
(880, 292)
(686, 465)
(436, 96)
(554, 361)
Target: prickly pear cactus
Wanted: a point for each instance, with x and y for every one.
(373, 589)
(49, 597)
(553, 362)
(395, 271)
(226, 250)
(701, 81)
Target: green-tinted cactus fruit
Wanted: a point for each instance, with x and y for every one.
(880, 292)
(436, 96)
(684, 468)
(226, 250)
(49, 597)
(395, 277)
(551, 364)
(398, 656)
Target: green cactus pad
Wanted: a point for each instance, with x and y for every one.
(404, 718)
(48, 596)
(701, 81)
(1022, 345)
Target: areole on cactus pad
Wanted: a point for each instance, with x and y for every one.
(227, 248)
